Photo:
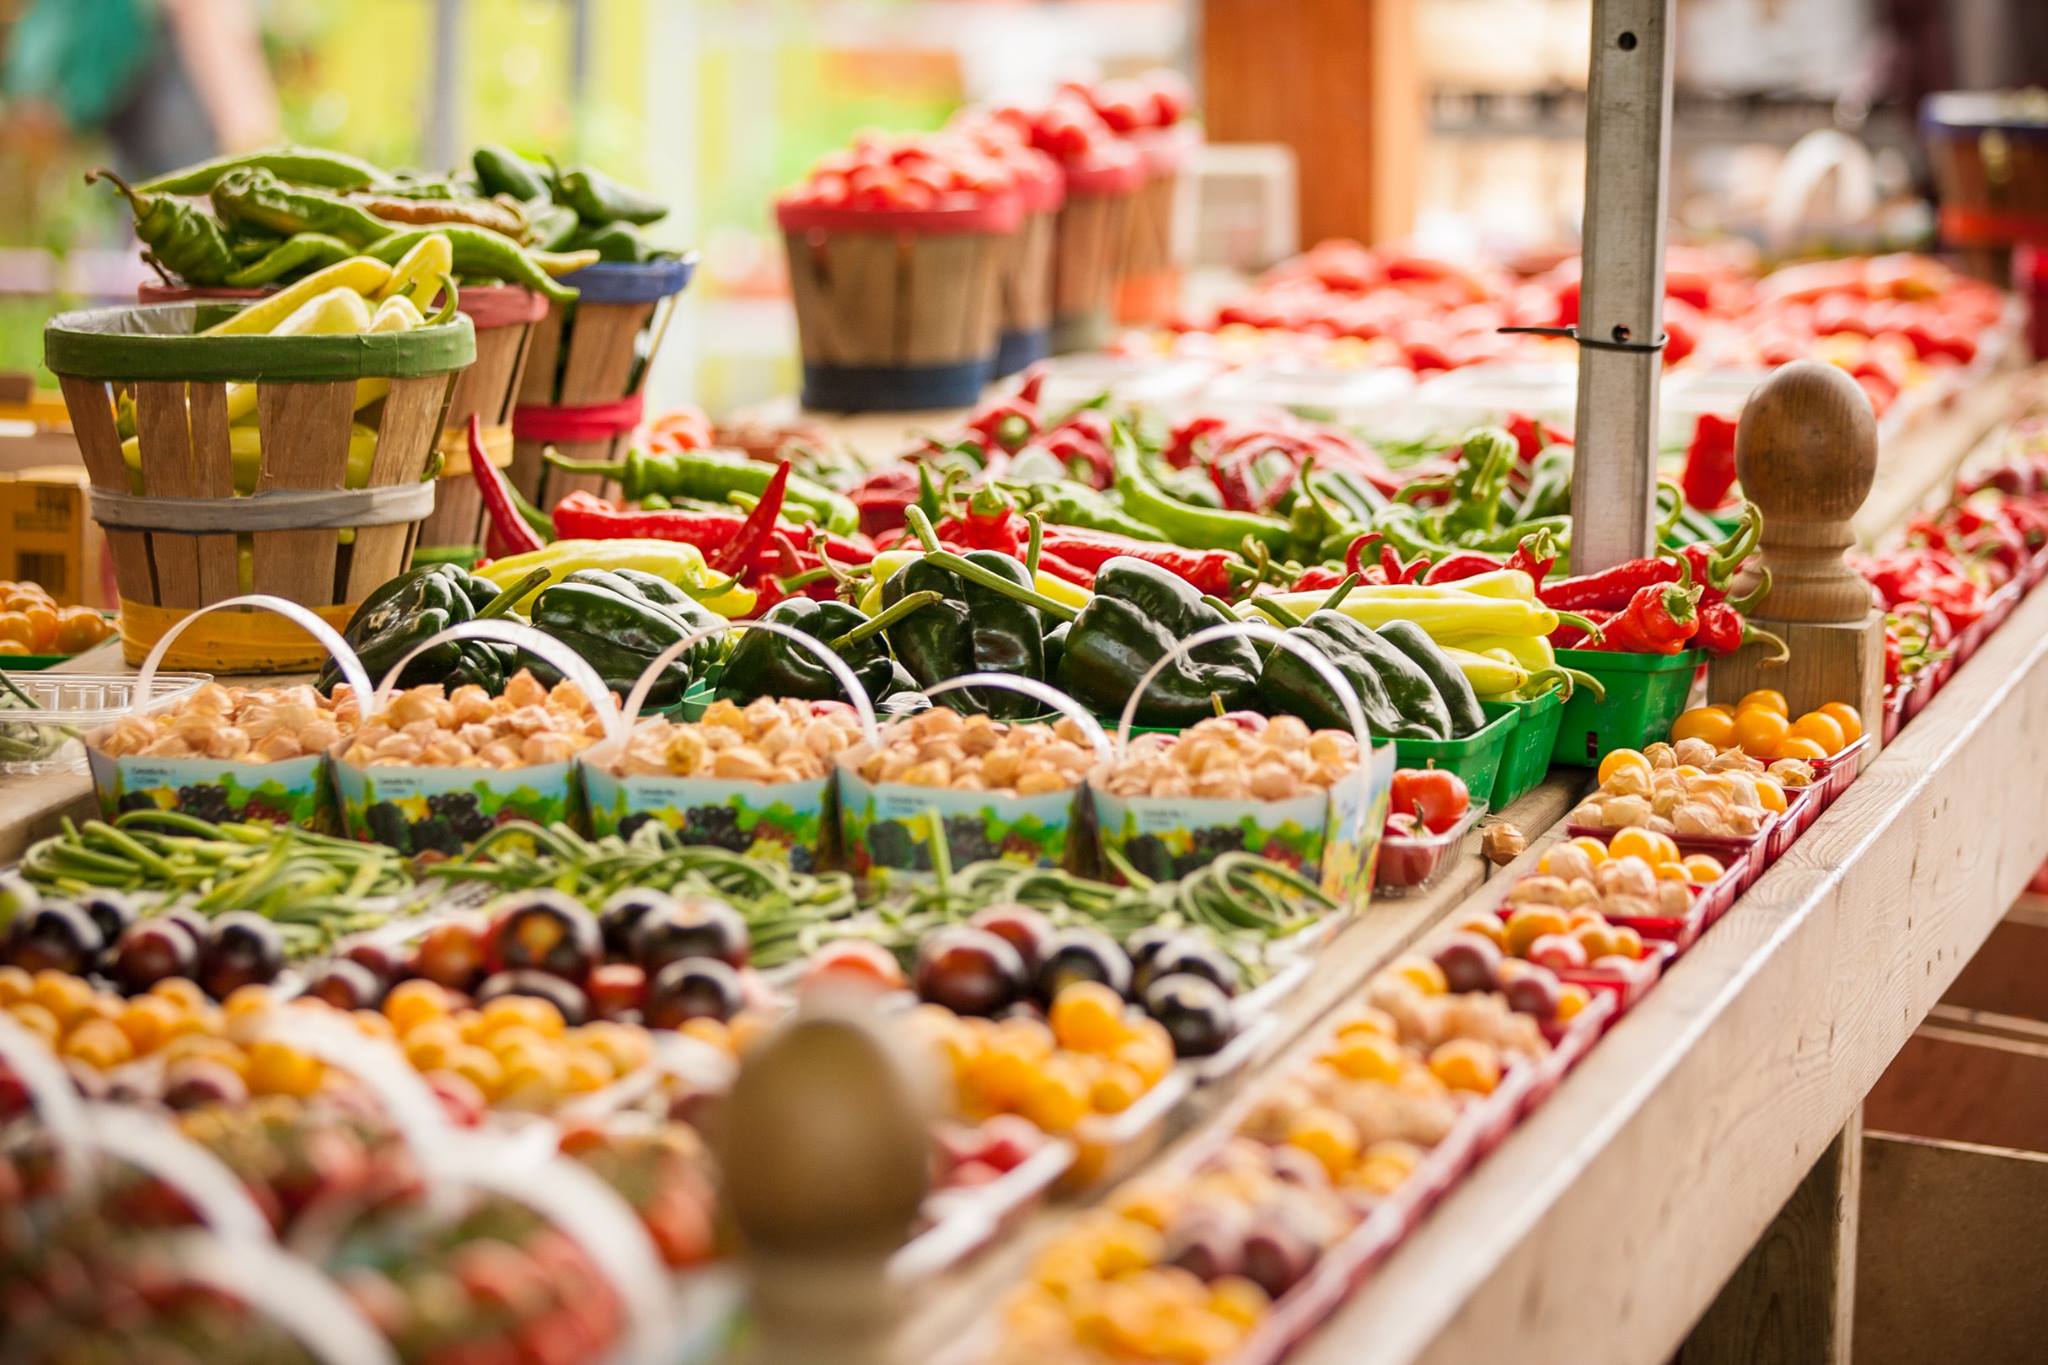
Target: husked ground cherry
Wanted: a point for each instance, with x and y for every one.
(1617, 759)
(1465, 1064)
(1595, 851)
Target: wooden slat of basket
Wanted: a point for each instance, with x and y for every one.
(214, 477)
(810, 286)
(490, 385)
(305, 445)
(92, 420)
(938, 288)
(405, 441)
(543, 356)
(601, 347)
(1027, 301)
(867, 296)
(169, 471)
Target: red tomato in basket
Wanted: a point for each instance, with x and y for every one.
(1432, 795)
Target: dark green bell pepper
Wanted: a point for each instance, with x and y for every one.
(764, 664)
(971, 629)
(620, 621)
(1461, 703)
(1394, 694)
(419, 603)
(1138, 615)
(620, 242)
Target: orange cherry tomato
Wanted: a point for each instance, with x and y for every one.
(1703, 722)
(13, 649)
(1822, 730)
(80, 628)
(1760, 732)
(15, 625)
(1765, 698)
(42, 627)
(1845, 716)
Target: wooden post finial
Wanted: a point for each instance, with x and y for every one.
(825, 1149)
(1806, 452)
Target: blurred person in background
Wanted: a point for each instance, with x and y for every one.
(164, 82)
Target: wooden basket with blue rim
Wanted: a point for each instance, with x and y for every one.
(317, 500)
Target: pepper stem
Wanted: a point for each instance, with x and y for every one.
(921, 527)
(451, 295)
(1758, 635)
(1755, 596)
(1546, 680)
(512, 596)
(1273, 609)
(1581, 678)
(1586, 624)
(604, 469)
(1339, 593)
(1036, 546)
(135, 200)
(907, 605)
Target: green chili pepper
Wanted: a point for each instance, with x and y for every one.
(972, 629)
(598, 199)
(547, 229)
(1550, 485)
(1184, 523)
(1076, 504)
(500, 170)
(297, 255)
(709, 476)
(182, 237)
(294, 165)
(479, 252)
(255, 198)
(612, 242)
(247, 247)
(1138, 615)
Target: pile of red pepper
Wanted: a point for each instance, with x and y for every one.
(1255, 462)
(1669, 602)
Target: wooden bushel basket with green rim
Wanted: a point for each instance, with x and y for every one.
(317, 503)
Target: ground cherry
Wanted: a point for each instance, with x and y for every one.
(1715, 727)
(1466, 1064)
(1634, 842)
(1765, 699)
(1617, 759)
(1488, 926)
(1703, 868)
(1365, 1057)
(1760, 732)
(1529, 923)
(1771, 795)
(1822, 730)
(1846, 716)
(1671, 872)
(1088, 1016)
(1595, 851)
(1570, 1000)
(1326, 1135)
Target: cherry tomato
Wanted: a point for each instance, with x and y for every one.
(1435, 796)
(854, 961)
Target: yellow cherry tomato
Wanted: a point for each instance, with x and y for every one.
(1715, 727)
(1799, 746)
(1822, 730)
(1761, 732)
(1845, 715)
(1635, 842)
(1617, 759)
(1766, 699)
(1771, 794)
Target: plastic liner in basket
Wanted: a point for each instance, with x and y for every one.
(288, 791)
(1331, 837)
(791, 821)
(891, 828)
(417, 808)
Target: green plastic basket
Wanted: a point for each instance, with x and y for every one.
(1526, 761)
(1475, 758)
(1645, 693)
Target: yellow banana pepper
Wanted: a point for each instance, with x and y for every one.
(358, 274)
(396, 314)
(886, 565)
(681, 564)
(417, 275)
(1451, 617)
(245, 448)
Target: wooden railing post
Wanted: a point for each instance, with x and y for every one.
(1806, 452)
(826, 1151)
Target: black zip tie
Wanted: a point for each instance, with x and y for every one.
(1572, 334)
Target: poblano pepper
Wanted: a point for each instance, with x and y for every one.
(1138, 615)
(424, 602)
(620, 621)
(972, 629)
(1395, 695)
(764, 664)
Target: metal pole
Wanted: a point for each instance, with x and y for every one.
(1621, 297)
(442, 110)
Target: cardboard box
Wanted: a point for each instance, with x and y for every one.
(47, 535)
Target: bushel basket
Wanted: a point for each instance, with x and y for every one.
(317, 501)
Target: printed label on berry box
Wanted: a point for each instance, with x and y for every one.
(291, 791)
(785, 821)
(445, 810)
(890, 826)
(1330, 837)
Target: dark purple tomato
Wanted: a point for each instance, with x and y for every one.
(111, 911)
(451, 953)
(1534, 992)
(695, 926)
(56, 934)
(1023, 928)
(1194, 1011)
(1207, 1248)
(615, 988)
(566, 996)
(544, 931)
(1275, 1256)
(197, 927)
(1190, 956)
(969, 971)
(245, 950)
(1082, 955)
(1146, 944)
(197, 1081)
(154, 950)
(345, 985)
(1470, 962)
(693, 988)
(623, 913)
(381, 960)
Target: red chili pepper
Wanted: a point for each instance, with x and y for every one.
(583, 515)
(1464, 564)
(1533, 436)
(1081, 444)
(1354, 555)
(1059, 566)
(1317, 579)
(1208, 570)
(1712, 566)
(1006, 424)
(1709, 462)
(1570, 636)
(739, 550)
(1397, 572)
(1722, 630)
(507, 532)
(988, 523)
(1659, 619)
(1181, 445)
(1534, 555)
(882, 497)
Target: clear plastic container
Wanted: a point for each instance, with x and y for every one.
(1411, 866)
(46, 739)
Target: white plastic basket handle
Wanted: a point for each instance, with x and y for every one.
(1039, 692)
(574, 1199)
(56, 1101)
(329, 638)
(567, 661)
(1258, 630)
(404, 1098)
(288, 1291)
(862, 706)
(152, 1144)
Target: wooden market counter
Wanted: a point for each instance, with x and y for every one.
(1608, 1222)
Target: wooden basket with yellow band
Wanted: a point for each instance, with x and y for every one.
(317, 501)
(586, 368)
